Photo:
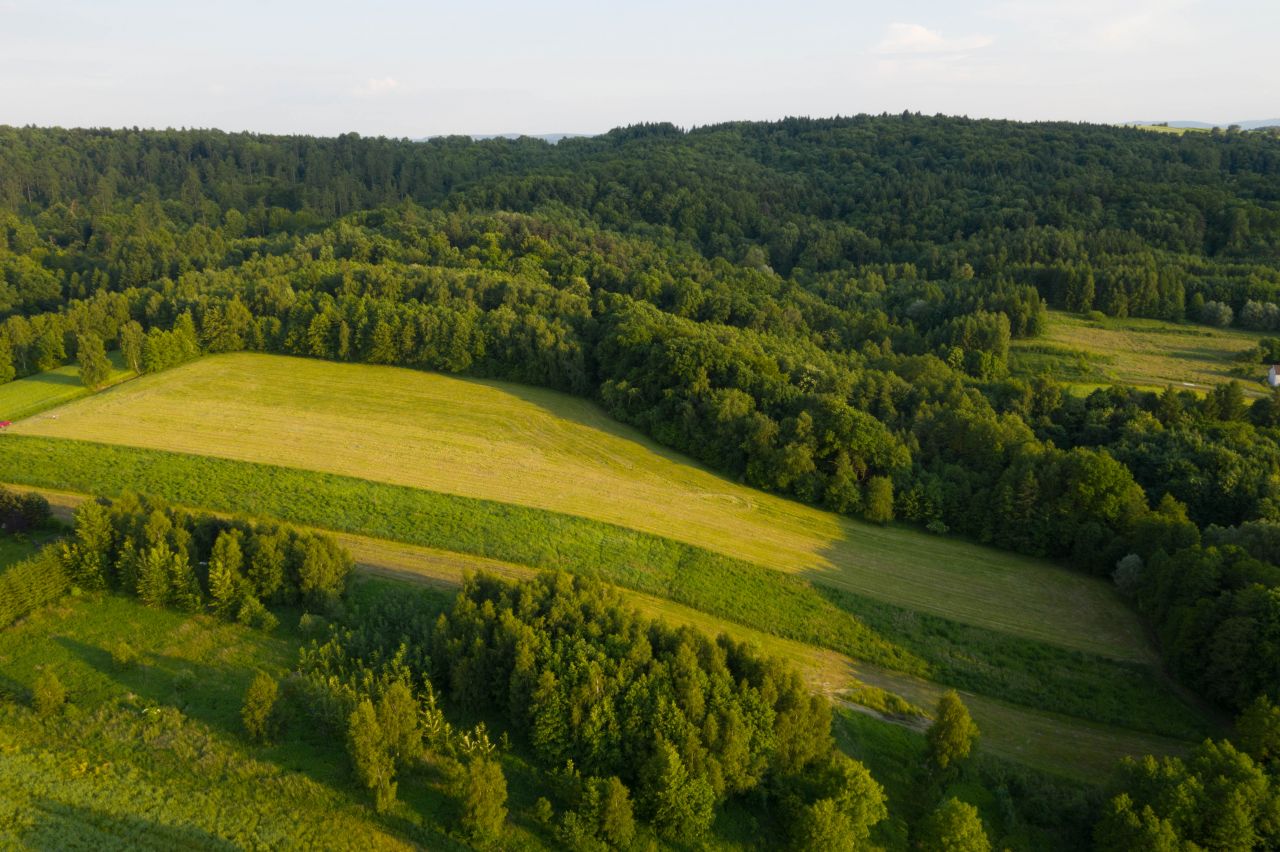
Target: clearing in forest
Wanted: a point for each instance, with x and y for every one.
(538, 448)
(1151, 354)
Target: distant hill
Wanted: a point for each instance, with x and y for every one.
(1204, 125)
(551, 138)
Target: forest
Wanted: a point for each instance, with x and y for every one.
(818, 308)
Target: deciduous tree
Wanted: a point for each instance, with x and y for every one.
(953, 732)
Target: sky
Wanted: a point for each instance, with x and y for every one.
(415, 69)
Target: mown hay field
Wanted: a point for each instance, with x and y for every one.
(540, 449)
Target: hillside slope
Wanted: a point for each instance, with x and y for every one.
(538, 448)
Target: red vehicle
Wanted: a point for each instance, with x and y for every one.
(5, 424)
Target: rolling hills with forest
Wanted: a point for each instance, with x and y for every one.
(892, 405)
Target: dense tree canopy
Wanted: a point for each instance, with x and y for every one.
(821, 308)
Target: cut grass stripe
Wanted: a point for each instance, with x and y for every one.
(1034, 674)
(733, 589)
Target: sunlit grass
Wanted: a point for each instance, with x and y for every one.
(34, 394)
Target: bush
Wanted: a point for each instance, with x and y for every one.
(21, 513)
(184, 680)
(123, 655)
(254, 614)
(48, 695)
(258, 712)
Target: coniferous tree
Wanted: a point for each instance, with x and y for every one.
(258, 712)
(153, 575)
(225, 562)
(483, 791)
(679, 806)
(184, 589)
(128, 567)
(85, 557)
(370, 756)
(267, 564)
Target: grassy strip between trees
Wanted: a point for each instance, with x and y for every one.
(733, 589)
(1015, 669)
(1030, 673)
(34, 394)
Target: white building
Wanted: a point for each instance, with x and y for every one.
(1273, 375)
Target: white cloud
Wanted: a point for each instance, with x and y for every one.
(914, 38)
(376, 87)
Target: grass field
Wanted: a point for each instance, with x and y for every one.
(15, 550)
(1043, 740)
(1150, 354)
(1014, 668)
(1164, 128)
(540, 449)
(1046, 741)
(128, 764)
(25, 397)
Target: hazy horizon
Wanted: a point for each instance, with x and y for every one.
(570, 67)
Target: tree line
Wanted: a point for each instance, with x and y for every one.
(169, 557)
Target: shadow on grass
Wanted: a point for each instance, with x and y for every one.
(12, 689)
(588, 413)
(213, 697)
(55, 378)
(207, 694)
(60, 825)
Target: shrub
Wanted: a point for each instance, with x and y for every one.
(48, 695)
(258, 713)
(22, 512)
(184, 680)
(123, 655)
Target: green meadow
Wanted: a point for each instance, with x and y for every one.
(1150, 354)
(531, 449)
(427, 476)
(1044, 675)
(34, 394)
